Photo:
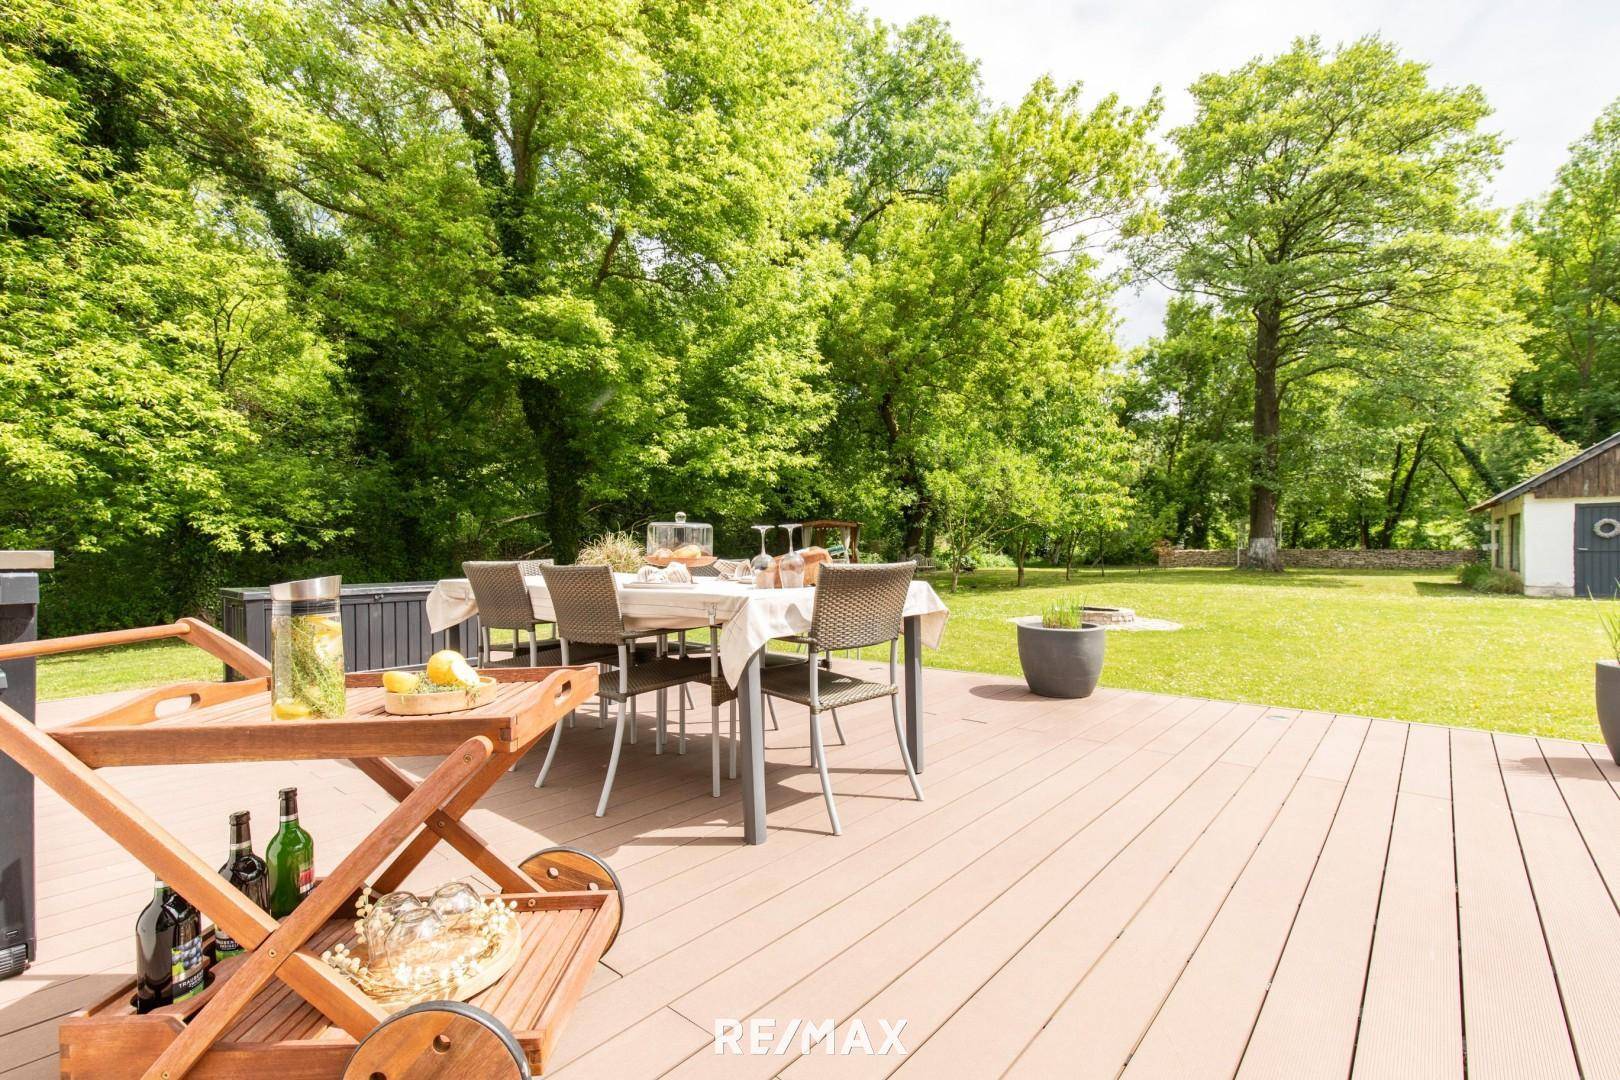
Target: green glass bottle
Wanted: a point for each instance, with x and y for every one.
(291, 855)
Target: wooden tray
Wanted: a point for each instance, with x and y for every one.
(434, 704)
(280, 1035)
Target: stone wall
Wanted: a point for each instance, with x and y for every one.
(1332, 558)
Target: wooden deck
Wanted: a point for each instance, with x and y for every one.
(1132, 884)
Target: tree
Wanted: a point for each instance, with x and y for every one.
(1573, 235)
(970, 288)
(1332, 200)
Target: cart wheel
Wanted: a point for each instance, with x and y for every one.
(566, 869)
(438, 1039)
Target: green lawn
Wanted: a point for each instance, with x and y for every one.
(1413, 646)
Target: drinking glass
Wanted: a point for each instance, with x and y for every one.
(381, 919)
(455, 903)
(762, 561)
(416, 939)
(791, 568)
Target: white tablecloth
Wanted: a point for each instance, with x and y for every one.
(751, 617)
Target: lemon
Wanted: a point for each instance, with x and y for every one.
(289, 709)
(400, 682)
(449, 668)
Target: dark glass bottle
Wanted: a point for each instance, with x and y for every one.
(291, 855)
(168, 950)
(248, 873)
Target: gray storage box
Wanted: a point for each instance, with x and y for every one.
(384, 626)
(19, 621)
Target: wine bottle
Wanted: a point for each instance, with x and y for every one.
(248, 873)
(168, 950)
(291, 855)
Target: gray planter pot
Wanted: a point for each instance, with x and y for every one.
(1060, 663)
(1608, 705)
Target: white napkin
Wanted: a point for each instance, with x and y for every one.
(649, 573)
(678, 574)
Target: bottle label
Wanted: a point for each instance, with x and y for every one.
(186, 968)
(225, 945)
(306, 877)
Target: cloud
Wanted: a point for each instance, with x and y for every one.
(1546, 67)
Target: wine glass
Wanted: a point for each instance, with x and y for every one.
(791, 567)
(762, 561)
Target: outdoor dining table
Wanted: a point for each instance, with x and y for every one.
(749, 620)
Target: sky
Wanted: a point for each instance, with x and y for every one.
(1547, 67)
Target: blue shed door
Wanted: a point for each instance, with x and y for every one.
(1597, 550)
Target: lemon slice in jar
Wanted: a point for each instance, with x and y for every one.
(290, 709)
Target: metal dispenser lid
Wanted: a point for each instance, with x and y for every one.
(315, 588)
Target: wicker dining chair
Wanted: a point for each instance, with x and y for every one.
(585, 601)
(504, 604)
(855, 606)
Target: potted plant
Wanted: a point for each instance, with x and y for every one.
(1608, 683)
(1061, 653)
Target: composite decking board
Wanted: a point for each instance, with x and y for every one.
(1411, 1016)
(703, 891)
(951, 974)
(975, 970)
(1307, 1024)
(1578, 915)
(1204, 1023)
(1098, 1027)
(1513, 1015)
(986, 1032)
(641, 1050)
(674, 877)
(776, 913)
(911, 934)
(938, 886)
(840, 985)
(1593, 804)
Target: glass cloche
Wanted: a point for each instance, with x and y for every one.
(682, 541)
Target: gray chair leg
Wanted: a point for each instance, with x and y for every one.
(601, 702)
(551, 755)
(905, 754)
(680, 746)
(632, 721)
(714, 747)
(733, 770)
(661, 718)
(821, 766)
(534, 645)
(839, 728)
(770, 707)
(613, 761)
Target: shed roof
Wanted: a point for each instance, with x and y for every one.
(1595, 450)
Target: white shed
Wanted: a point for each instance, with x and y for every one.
(1560, 529)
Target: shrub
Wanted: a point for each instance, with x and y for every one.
(1064, 615)
(619, 550)
(1488, 579)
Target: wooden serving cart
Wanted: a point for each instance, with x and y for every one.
(278, 1010)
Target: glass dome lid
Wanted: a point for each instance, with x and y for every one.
(689, 542)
